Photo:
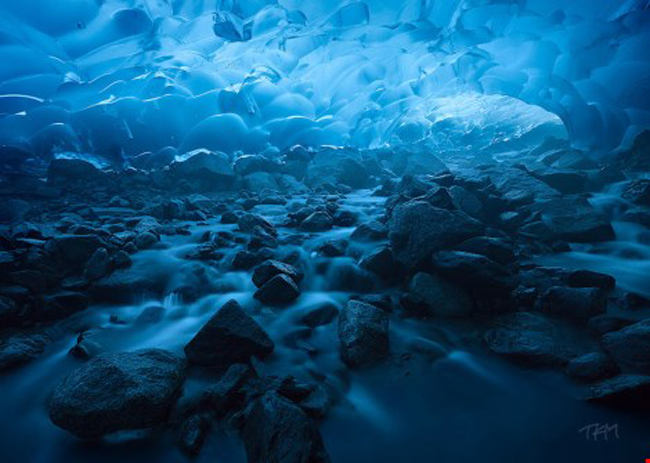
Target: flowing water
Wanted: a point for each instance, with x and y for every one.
(440, 400)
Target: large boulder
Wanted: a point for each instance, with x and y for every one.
(363, 334)
(64, 171)
(279, 290)
(631, 346)
(417, 230)
(209, 169)
(277, 431)
(575, 304)
(270, 268)
(337, 166)
(20, 349)
(117, 391)
(75, 250)
(630, 392)
(230, 336)
(475, 272)
(528, 339)
(638, 191)
(574, 219)
(518, 187)
(431, 295)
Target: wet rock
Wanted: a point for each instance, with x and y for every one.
(431, 295)
(370, 231)
(60, 305)
(380, 262)
(230, 336)
(267, 270)
(229, 395)
(10, 312)
(117, 391)
(574, 219)
(363, 334)
(417, 230)
(590, 279)
(260, 181)
(63, 171)
(208, 170)
(145, 241)
(281, 289)
(244, 260)
(98, 265)
(192, 433)
(495, 249)
(75, 250)
(248, 164)
(318, 221)
(624, 391)
(333, 248)
(638, 191)
(247, 223)
(276, 430)
(85, 349)
(565, 181)
(591, 367)
(342, 166)
(630, 346)
(518, 187)
(229, 217)
(575, 304)
(474, 272)
(528, 339)
(20, 349)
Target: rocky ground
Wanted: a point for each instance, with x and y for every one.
(244, 294)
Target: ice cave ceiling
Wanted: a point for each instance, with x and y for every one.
(120, 77)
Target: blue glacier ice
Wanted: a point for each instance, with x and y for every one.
(120, 77)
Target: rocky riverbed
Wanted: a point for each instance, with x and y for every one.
(331, 305)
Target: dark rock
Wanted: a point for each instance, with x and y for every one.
(62, 171)
(248, 164)
(431, 295)
(575, 304)
(98, 265)
(363, 334)
(495, 249)
(61, 305)
(117, 391)
(624, 391)
(590, 279)
(192, 433)
(380, 261)
(277, 431)
(248, 222)
(337, 166)
(228, 394)
(630, 346)
(145, 241)
(75, 250)
(370, 231)
(565, 181)
(281, 289)
(574, 219)
(474, 272)
(417, 230)
(204, 168)
(230, 336)
(518, 187)
(229, 217)
(333, 248)
(244, 260)
(592, 367)
(318, 221)
(638, 157)
(527, 338)
(638, 191)
(267, 270)
(260, 181)
(20, 349)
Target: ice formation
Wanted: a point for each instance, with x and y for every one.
(117, 78)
